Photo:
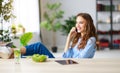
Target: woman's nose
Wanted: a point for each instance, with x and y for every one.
(76, 25)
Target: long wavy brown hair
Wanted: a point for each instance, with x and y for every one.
(90, 31)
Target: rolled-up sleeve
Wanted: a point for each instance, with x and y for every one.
(68, 54)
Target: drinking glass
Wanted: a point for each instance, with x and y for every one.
(17, 55)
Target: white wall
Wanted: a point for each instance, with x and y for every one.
(70, 7)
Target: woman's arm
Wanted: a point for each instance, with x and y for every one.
(68, 52)
(71, 35)
(67, 44)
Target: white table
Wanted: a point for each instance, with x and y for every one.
(85, 66)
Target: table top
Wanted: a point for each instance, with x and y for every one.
(50, 66)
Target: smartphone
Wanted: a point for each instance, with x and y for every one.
(66, 62)
(76, 29)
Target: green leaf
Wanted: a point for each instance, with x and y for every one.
(57, 26)
(69, 23)
(25, 38)
(59, 14)
(52, 15)
(46, 25)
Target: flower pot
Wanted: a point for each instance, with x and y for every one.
(54, 49)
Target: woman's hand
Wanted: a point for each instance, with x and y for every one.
(72, 33)
(12, 54)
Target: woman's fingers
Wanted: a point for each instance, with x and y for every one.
(73, 29)
(73, 32)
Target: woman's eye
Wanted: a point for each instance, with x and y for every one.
(80, 23)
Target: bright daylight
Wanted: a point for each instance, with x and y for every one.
(59, 36)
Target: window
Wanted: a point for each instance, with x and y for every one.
(27, 14)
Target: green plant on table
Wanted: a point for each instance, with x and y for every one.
(24, 39)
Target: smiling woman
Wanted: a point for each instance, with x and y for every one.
(81, 43)
(27, 14)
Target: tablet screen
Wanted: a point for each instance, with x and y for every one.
(66, 62)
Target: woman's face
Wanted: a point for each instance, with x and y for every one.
(80, 24)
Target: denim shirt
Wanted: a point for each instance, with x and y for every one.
(87, 52)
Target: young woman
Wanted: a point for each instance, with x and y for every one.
(81, 41)
(29, 50)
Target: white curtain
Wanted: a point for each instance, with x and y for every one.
(27, 14)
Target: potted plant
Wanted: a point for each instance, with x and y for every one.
(69, 23)
(6, 14)
(51, 22)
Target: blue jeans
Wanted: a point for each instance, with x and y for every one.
(37, 48)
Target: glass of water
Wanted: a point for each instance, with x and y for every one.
(17, 55)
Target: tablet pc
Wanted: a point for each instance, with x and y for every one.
(66, 62)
